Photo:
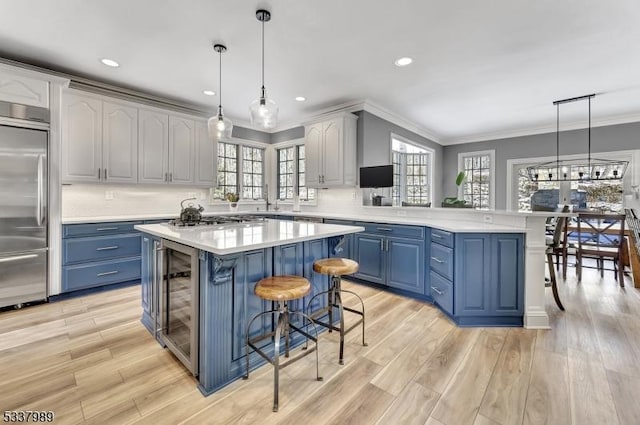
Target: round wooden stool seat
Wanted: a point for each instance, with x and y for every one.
(282, 288)
(335, 266)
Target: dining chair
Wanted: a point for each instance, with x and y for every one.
(553, 247)
(601, 236)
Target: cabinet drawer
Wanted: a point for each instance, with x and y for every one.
(97, 248)
(95, 229)
(97, 274)
(441, 260)
(442, 237)
(413, 232)
(340, 222)
(442, 292)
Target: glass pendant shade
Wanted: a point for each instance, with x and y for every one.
(264, 113)
(220, 127)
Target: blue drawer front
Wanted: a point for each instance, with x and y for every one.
(413, 232)
(442, 292)
(441, 260)
(79, 250)
(95, 229)
(442, 237)
(98, 274)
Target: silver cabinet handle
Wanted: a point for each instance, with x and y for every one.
(437, 260)
(170, 177)
(437, 291)
(107, 273)
(105, 174)
(99, 173)
(381, 244)
(18, 258)
(319, 178)
(102, 229)
(166, 177)
(40, 193)
(107, 248)
(435, 235)
(384, 229)
(387, 248)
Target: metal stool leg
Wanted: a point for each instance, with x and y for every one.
(357, 312)
(276, 358)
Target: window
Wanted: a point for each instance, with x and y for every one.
(285, 173)
(247, 179)
(411, 172)
(477, 188)
(227, 169)
(252, 172)
(291, 174)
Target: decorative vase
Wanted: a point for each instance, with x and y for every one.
(233, 206)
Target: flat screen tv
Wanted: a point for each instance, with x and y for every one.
(379, 176)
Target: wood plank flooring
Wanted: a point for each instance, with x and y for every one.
(90, 361)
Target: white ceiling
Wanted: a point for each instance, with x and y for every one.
(482, 69)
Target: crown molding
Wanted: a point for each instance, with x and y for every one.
(396, 119)
(576, 125)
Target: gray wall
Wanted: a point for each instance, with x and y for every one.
(374, 146)
(290, 134)
(250, 134)
(603, 139)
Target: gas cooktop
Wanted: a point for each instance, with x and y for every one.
(220, 219)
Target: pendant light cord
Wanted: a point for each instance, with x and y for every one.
(557, 141)
(220, 82)
(589, 137)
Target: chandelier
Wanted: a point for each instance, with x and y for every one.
(578, 169)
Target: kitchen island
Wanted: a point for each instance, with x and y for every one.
(197, 286)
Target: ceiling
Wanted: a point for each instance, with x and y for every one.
(482, 69)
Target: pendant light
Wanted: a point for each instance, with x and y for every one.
(579, 169)
(220, 127)
(264, 112)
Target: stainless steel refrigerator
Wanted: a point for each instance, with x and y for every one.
(23, 214)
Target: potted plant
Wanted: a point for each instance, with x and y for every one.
(232, 198)
(453, 201)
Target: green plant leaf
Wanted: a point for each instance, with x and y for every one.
(460, 178)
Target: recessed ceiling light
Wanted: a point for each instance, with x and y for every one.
(110, 62)
(403, 61)
(301, 98)
(209, 92)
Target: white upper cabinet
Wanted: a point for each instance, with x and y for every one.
(330, 151)
(181, 150)
(153, 146)
(119, 143)
(24, 90)
(81, 138)
(206, 156)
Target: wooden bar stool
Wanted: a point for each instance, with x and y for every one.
(336, 268)
(281, 290)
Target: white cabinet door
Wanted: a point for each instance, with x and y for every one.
(333, 153)
(206, 155)
(24, 90)
(81, 138)
(119, 143)
(313, 155)
(153, 146)
(181, 150)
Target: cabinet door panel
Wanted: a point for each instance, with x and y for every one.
(313, 155)
(405, 269)
(181, 150)
(333, 169)
(153, 145)
(472, 275)
(206, 155)
(507, 274)
(120, 143)
(81, 138)
(315, 250)
(370, 255)
(24, 90)
(288, 260)
(146, 274)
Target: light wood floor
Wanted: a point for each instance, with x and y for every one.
(91, 361)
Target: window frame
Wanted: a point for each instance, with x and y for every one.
(492, 173)
(283, 145)
(403, 173)
(240, 143)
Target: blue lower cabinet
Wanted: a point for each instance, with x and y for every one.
(370, 254)
(83, 276)
(441, 291)
(472, 275)
(507, 274)
(405, 264)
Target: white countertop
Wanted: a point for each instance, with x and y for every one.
(232, 238)
(450, 225)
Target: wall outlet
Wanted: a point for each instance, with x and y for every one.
(487, 218)
(354, 195)
(108, 195)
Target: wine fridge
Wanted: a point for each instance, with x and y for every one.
(179, 302)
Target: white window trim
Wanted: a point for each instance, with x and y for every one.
(252, 144)
(432, 159)
(492, 172)
(631, 179)
(284, 145)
